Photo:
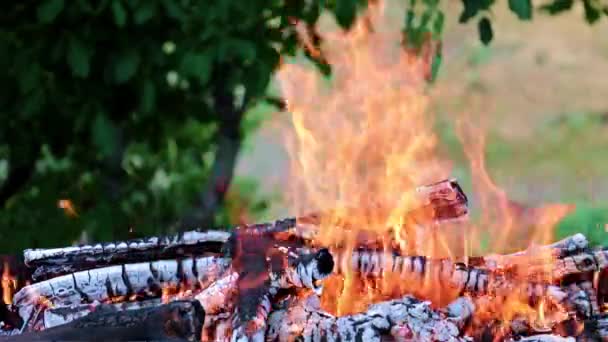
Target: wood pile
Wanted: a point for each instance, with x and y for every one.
(263, 283)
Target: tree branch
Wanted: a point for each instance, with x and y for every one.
(229, 140)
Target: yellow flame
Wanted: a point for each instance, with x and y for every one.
(362, 142)
(9, 284)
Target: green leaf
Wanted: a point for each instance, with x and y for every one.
(119, 12)
(197, 65)
(145, 12)
(592, 14)
(49, 10)
(126, 66)
(104, 135)
(435, 66)
(485, 30)
(469, 10)
(29, 78)
(173, 9)
(438, 24)
(409, 19)
(148, 96)
(522, 8)
(557, 6)
(345, 12)
(78, 57)
(425, 18)
(34, 102)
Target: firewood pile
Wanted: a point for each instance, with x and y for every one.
(264, 282)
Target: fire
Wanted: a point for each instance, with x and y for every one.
(512, 225)
(9, 284)
(364, 140)
(362, 144)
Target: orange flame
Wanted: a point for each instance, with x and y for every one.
(362, 142)
(9, 284)
(512, 225)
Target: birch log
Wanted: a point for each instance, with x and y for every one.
(487, 273)
(441, 201)
(288, 269)
(53, 262)
(53, 317)
(124, 281)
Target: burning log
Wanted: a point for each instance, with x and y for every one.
(109, 283)
(441, 201)
(53, 317)
(257, 287)
(57, 261)
(405, 319)
(176, 321)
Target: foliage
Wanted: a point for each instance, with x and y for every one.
(523, 9)
(131, 110)
(126, 117)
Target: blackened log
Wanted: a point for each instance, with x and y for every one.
(120, 282)
(176, 321)
(53, 262)
(53, 317)
(256, 288)
(441, 201)
(474, 280)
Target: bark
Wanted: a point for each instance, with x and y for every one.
(176, 321)
(119, 283)
(251, 294)
(493, 275)
(53, 317)
(57, 261)
(442, 201)
(229, 140)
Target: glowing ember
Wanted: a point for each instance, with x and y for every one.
(68, 207)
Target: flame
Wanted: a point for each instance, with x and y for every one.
(512, 225)
(362, 141)
(9, 284)
(361, 144)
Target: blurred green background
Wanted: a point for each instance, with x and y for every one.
(125, 118)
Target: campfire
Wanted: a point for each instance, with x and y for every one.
(277, 281)
(372, 254)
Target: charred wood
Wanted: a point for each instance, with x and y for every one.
(176, 321)
(119, 282)
(406, 319)
(53, 262)
(62, 315)
(256, 289)
(441, 201)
